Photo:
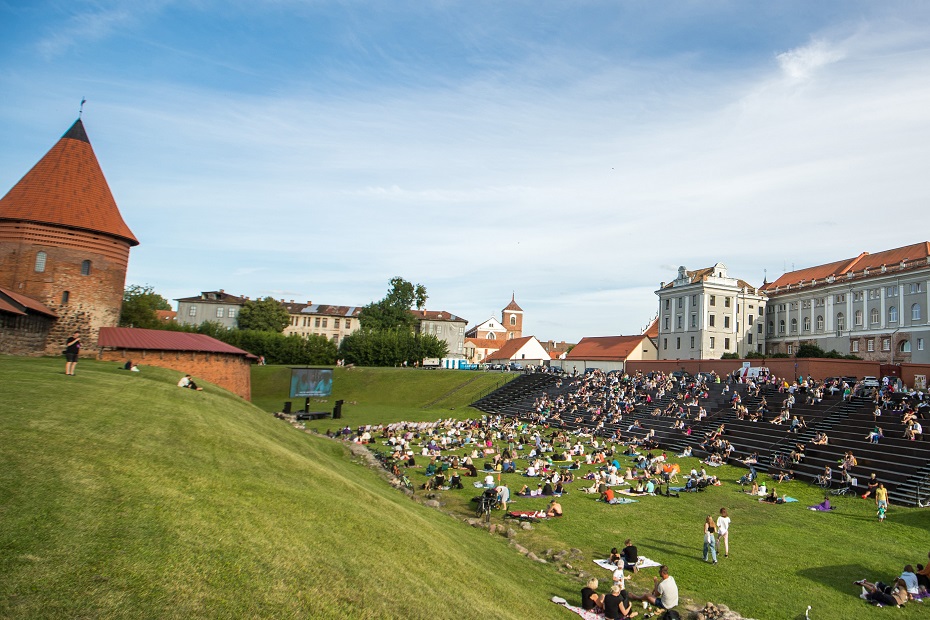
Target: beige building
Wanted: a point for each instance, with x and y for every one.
(874, 306)
(704, 314)
(445, 326)
(332, 322)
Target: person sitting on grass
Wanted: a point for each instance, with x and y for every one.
(664, 593)
(554, 510)
(630, 556)
(590, 599)
(822, 506)
(617, 604)
(188, 382)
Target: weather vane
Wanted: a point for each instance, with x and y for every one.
(81, 109)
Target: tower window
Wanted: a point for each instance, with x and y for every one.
(40, 261)
(85, 268)
(65, 296)
(513, 319)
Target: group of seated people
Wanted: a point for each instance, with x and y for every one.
(910, 585)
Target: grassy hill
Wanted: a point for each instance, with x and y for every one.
(122, 495)
(375, 395)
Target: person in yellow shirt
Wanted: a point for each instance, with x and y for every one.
(881, 496)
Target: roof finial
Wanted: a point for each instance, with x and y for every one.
(81, 109)
(513, 296)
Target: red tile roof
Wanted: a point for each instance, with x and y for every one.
(162, 340)
(14, 303)
(890, 258)
(607, 348)
(486, 343)
(653, 330)
(513, 305)
(67, 188)
(437, 315)
(510, 349)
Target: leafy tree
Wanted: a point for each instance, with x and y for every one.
(393, 311)
(139, 306)
(730, 356)
(390, 347)
(266, 315)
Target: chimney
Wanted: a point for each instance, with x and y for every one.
(292, 301)
(309, 303)
(222, 291)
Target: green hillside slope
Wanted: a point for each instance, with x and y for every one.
(122, 495)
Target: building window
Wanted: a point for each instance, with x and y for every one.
(906, 346)
(316, 322)
(749, 338)
(665, 344)
(759, 327)
(858, 318)
(886, 344)
(820, 322)
(874, 293)
(219, 312)
(914, 287)
(693, 320)
(712, 342)
(807, 323)
(324, 322)
(85, 268)
(840, 321)
(694, 300)
(873, 316)
(692, 342)
(790, 349)
(667, 302)
(666, 323)
(336, 338)
(751, 319)
(892, 314)
(232, 313)
(857, 296)
(841, 298)
(711, 320)
(726, 322)
(771, 327)
(681, 302)
(40, 261)
(192, 311)
(336, 323)
(726, 302)
(65, 296)
(713, 300)
(915, 312)
(726, 344)
(348, 323)
(781, 326)
(513, 319)
(855, 346)
(794, 326)
(891, 291)
(679, 322)
(678, 343)
(920, 344)
(870, 345)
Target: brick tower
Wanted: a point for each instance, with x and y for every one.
(512, 319)
(63, 241)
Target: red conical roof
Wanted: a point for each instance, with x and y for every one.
(67, 188)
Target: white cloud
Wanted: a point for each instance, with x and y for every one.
(801, 63)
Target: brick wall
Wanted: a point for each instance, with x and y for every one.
(93, 300)
(231, 372)
(24, 334)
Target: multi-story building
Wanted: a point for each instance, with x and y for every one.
(331, 322)
(217, 306)
(706, 313)
(874, 306)
(445, 326)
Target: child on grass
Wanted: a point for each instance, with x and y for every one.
(881, 513)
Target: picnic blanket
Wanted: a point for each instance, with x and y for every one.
(587, 615)
(527, 514)
(620, 500)
(642, 562)
(786, 500)
(632, 494)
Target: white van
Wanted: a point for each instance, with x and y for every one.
(753, 372)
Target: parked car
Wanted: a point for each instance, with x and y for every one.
(516, 366)
(870, 382)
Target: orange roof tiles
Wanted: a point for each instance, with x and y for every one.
(14, 303)
(605, 348)
(509, 350)
(889, 258)
(162, 340)
(486, 343)
(653, 330)
(67, 188)
(513, 305)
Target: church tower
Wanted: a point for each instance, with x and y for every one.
(63, 241)
(512, 319)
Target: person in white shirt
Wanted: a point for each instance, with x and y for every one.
(723, 531)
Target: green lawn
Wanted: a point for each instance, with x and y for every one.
(122, 495)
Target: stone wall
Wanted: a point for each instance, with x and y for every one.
(24, 334)
(231, 372)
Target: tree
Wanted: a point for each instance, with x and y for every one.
(393, 312)
(266, 315)
(139, 306)
(390, 347)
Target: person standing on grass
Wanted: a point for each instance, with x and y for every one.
(710, 539)
(881, 496)
(723, 531)
(72, 350)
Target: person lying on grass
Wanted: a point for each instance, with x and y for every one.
(883, 595)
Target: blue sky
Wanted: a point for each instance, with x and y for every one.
(575, 153)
